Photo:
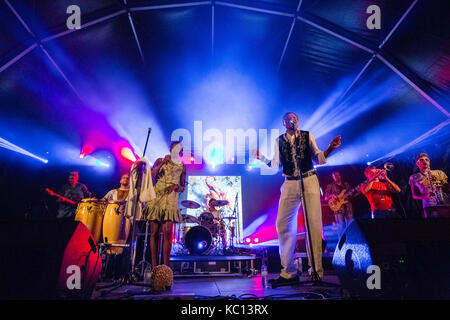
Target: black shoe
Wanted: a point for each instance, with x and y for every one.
(280, 281)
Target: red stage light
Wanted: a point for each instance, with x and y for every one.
(128, 154)
(87, 149)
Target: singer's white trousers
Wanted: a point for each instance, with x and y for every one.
(289, 204)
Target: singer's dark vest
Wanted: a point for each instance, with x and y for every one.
(303, 151)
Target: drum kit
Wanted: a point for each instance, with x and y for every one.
(204, 234)
(106, 221)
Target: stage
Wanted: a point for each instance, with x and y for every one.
(219, 287)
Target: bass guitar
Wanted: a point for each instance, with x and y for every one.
(337, 201)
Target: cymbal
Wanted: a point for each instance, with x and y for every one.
(190, 204)
(219, 203)
(189, 219)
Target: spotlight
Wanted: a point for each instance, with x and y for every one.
(87, 149)
(101, 164)
(256, 240)
(10, 146)
(248, 240)
(128, 154)
(368, 163)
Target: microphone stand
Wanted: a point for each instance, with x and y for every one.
(235, 232)
(315, 278)
(130, 278)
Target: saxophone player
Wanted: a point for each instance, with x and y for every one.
(430, 186)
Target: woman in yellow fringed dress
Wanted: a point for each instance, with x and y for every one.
(169, 176)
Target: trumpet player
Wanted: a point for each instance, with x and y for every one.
(430, 186)
(379, 190)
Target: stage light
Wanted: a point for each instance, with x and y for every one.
(101, 164)
(256, 240)
(215, 156)
(368, 163)
(10, 146)
(248, 240)
(86, 150)
(128, 154)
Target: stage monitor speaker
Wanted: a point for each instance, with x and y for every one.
(47, 260)
(395, 259)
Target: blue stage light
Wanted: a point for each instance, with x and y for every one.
(10, 146)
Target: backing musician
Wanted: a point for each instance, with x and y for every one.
(121, 193)
(218, 223)
(344, 215)
(379, 190)
(430, 186)
(75, 191)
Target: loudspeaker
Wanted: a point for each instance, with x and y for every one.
(395, 259)
(47, 260)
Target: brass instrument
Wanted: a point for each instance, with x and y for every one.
(388, 167)
(436, 186)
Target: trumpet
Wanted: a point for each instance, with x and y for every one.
(388, 167)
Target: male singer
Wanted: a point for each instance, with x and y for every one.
(292, 146)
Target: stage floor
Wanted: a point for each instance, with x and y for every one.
(225, 287)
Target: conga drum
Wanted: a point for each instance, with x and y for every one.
(116, 226)
(90, 213)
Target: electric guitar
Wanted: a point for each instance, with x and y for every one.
(337, 201)
(52, 193)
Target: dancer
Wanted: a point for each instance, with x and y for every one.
(296, 144)
(169, 176)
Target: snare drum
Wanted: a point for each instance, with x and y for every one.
(116, 226)
(90, 213)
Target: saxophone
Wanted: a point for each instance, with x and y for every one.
(436, 185)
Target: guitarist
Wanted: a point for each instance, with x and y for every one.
(344, 215)
(75, 191)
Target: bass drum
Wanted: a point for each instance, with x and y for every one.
(198, 240)
(90, 213)
(116, 226)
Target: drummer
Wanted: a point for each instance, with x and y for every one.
(218, 220)
(72, 190)
(121, 193)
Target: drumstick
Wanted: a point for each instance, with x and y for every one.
(59, 196)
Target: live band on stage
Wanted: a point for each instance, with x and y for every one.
(163, 220)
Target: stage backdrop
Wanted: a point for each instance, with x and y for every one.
(202, 188)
